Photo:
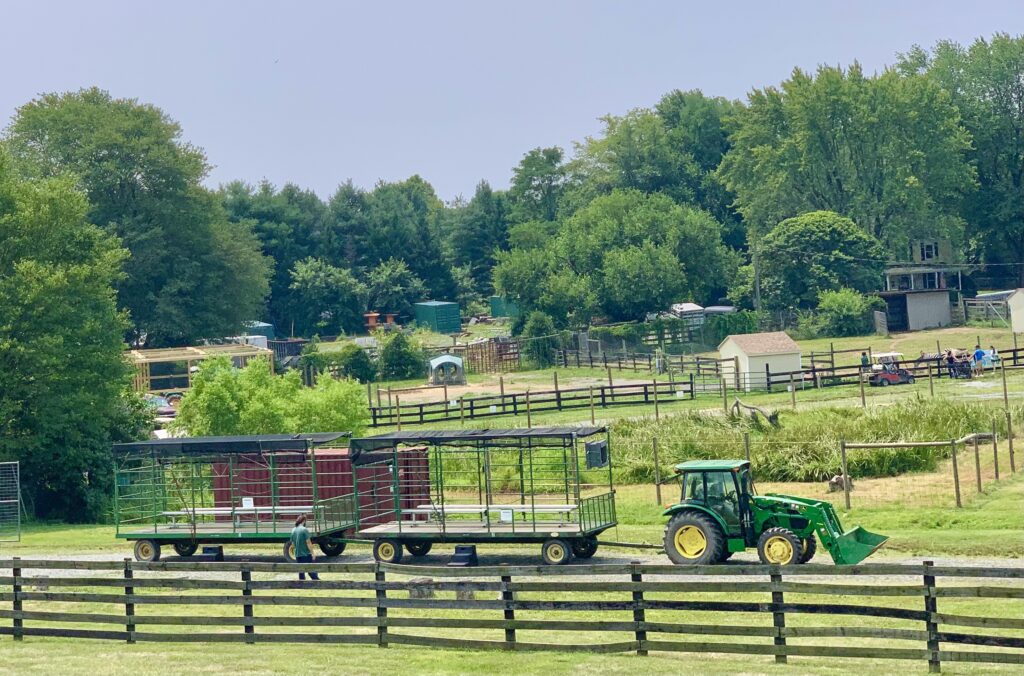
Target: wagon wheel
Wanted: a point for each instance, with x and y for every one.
(556, 552)
(387, 551)
(289, 552)
(147, 550)
(185, 548)
(585, 548)
(419, 548)
(331, 547)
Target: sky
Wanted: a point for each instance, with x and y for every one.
(317, 92)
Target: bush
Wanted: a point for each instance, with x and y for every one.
(538, 339)
(399, 357)
(847, 312)
(353, 362)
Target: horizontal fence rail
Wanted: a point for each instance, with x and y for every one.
(878, 611)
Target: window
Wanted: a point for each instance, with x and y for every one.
(929, 251)
(931, 280)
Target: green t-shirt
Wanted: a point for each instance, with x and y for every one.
(300, 540)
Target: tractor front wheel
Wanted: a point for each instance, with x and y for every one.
(810, 547)
(692, 538)
(780, 546)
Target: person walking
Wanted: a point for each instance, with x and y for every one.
(979, 361)
(302, 545)
(865, 362)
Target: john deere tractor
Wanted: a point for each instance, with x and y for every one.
(720, 514)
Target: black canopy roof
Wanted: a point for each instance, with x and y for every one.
(535, 435)
(237, 444)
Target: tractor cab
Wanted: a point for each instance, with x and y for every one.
(719, 513)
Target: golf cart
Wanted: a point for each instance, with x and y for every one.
(886, 370)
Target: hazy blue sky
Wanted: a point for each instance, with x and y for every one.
(318, 92)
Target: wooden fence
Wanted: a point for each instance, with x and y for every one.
(528, 403)
(876, 611)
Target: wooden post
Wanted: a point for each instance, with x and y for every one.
(995, 449)
(1006, 395)
(846, 473)
(657, 414)
(389, 395)
(592, 405)
(129, 606)
(446, 399)
(611, 387)
(378, 396)
(693, 387)
(501, 386)
(398, 410)
(931, 382)
(767, 377)
(931, 609)
(529, 417)
(636, 577)
(508, 597)
(863, 397)
(725, 396)
(956, 474)
(382, 610)
(977, 463)
(462, 412)
(558, 395)
(369, 396)
(778, 616)
(250, 630)
(938, 348)
(1014, 349)
(736, 372)
(746, 444)
(16, 606)
(657, 470)
(1009, 441)
(792, 390)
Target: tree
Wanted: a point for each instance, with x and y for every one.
(399, 357)
(224, 400)
(986, 83)
(887, 151)
(480, 229)
(816, 252)
(638, 280)
(392, 287)
(845, 312)
(538, 182)
(328, 299)
(191, 273)
(539, 340)
(63, 376)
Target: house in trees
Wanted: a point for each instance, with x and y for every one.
(919, 291)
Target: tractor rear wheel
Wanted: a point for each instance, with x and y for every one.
(585, 548)
(810, 547)
(185, 548)
(692, 538)
(331, 547)
(780, 547)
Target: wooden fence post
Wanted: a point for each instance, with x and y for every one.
(129, 606)
(250, 630)
(792, 390)
(995, 449)
(956, 474)
(398, 411)
(930, 609)
(657, 413)
(1006, 394)
(931, 383)
(736, 371)
(725, 395)
(611, 387)
(863, 399)
(558, 395)
(16, 607)
(462, 412)
(592, 405)
(846, 473)
(977, 462)
(1009, 440)
(529, 417)
(382, 611)
(657, 470)
(778, 616)
(693, 387)
(369, 395)
(501, 390)
(510, 614)
(746, 444)
(639, 616)
(768, 377)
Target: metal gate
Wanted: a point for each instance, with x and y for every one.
(10, 502)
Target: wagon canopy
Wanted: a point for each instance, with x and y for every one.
(260, 443)
(526, 437)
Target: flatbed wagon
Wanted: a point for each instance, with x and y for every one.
(546, 485)
(233, 490)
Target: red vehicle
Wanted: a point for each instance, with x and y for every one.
(886, 371)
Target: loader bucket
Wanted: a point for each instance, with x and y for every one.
(855, 545)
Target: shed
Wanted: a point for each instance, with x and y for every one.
(447, 370)
(754, 354)
(438, 315)
(1015, 304)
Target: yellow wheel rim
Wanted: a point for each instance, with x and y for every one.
(291, 551)
(146, 550)
(691, 542)
(556, 552)
(778, 550)
(386, 551)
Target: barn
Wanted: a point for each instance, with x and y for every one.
(756, 353)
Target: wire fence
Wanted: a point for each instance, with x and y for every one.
(10, 502)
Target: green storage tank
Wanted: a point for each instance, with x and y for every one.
(440, 316)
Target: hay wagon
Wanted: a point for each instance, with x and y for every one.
(548, 485)
(233, 490)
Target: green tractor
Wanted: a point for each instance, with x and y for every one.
(720, 514)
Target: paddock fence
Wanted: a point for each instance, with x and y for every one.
(926, 613)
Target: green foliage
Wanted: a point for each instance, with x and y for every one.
(847, 313)
(392, 287)
(354, 362)
(63, 376)
(191, 273)
(224, 400)
(399, 357)
(816, 252)
(640, 279)
(328, 299)
(886, 150)
(539, 342)
(537, 186)
(480, 229)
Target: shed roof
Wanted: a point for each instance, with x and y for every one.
(534, 436)
(772, 342)
(234, 444)
(445, 359)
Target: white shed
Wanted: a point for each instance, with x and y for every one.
(1015, 304)
(757, 353)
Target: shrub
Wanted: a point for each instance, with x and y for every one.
(538, 339)
(353, 362)
(399, 356)
(847, 312)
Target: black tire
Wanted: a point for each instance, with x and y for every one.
(387, 551)
(780, 547)
(726, 555)
(694, 539)
(289, 552)
(910, 380)
(418, 548)
(556, 552)
(810, 547)
(331, 547)
(185, 548)
(883, 382)
(584, 548)
(147, 550)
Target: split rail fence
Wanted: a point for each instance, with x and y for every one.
(876, 611)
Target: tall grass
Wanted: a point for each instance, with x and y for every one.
(806, 445)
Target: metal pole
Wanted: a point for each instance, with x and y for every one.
(846, 474)
(995, 449)
(657, 470)
(956, 474)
